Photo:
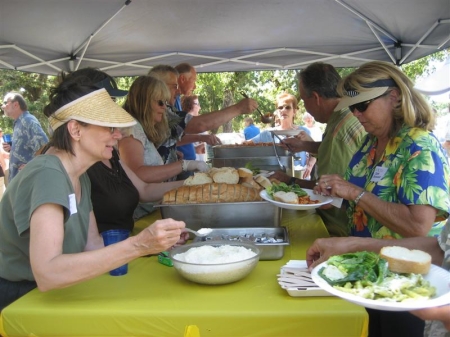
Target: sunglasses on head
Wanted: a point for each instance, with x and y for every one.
(362, 106)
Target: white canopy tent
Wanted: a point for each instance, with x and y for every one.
(128, 38)
(438, 82)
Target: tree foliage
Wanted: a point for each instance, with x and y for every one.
(215, 90)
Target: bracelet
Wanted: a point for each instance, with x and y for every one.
(358, 198)
(292, 181)
(183, 165)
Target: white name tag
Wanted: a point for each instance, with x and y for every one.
(73, 204)
(379, 174)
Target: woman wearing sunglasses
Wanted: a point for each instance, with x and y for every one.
(286, 107)
(397, 183)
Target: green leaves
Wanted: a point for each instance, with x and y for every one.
(286, 188)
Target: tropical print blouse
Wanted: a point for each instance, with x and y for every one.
(413, 170)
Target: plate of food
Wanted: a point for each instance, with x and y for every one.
(289, 133)
(366, 279)
(293, 197)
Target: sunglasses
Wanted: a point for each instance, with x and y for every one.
(161, 102)
(287, 107)
(361, 107)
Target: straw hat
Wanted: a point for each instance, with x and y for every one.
(95, 108)
(374, 89)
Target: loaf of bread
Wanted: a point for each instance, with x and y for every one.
(403, 260)
(211, 193)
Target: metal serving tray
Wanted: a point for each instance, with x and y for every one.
(263, 163)
(224, 215)
(257, 235)
(222, 151)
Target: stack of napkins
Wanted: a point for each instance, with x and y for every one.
(296, 279)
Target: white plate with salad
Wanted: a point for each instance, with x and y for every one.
(321, 200)
(437, 277)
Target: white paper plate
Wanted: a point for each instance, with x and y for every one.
(323, 200)
(289, 133)
(438, 277)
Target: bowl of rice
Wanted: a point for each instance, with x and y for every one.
(215, 262)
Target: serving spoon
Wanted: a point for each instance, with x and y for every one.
(202, 232)
(264, 119)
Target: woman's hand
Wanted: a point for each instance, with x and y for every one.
(334, 185)
(436, 314)
(158, 237)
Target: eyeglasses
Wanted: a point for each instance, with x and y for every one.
(161, 102)
(287, 107)
(6, 102)
(362, 106)
(112, 129)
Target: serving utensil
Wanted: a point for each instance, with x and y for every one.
(264, 119)
(202, 232)
(291, 152)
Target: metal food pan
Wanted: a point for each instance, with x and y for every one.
(224, 215)
(222, 151)
(257, 235)
(263, 163)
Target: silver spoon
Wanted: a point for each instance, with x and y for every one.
(202, 232)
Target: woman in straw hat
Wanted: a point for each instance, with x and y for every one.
(397, 183)
(115, 189)
(48, 232)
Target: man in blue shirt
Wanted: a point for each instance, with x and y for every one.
(250, 130)
(28, 136)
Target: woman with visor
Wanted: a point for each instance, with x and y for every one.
(397, 183)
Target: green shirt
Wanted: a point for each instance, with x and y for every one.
(43, 181)
(342, 138)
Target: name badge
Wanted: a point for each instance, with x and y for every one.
(72, 204)
(379, 174)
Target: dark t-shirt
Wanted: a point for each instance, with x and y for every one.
(114, 197)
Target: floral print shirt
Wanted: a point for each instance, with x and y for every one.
(413, 170)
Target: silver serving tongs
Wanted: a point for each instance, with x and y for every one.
(281, 141)
(276, 155)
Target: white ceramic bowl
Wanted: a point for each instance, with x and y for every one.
(215, 272)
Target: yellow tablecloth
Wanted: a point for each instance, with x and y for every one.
(152, 300)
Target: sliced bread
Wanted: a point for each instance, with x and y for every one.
(263, 181)
(199, 178)
(245, 173)
(227, 176)
(403, 260)
(287, 197)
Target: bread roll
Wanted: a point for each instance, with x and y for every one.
(403, 260)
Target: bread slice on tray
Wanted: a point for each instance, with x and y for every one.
(403, 260)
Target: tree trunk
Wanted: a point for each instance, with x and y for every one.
(228, 101)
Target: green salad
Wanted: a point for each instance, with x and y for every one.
(366, 274)
(285, 188)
